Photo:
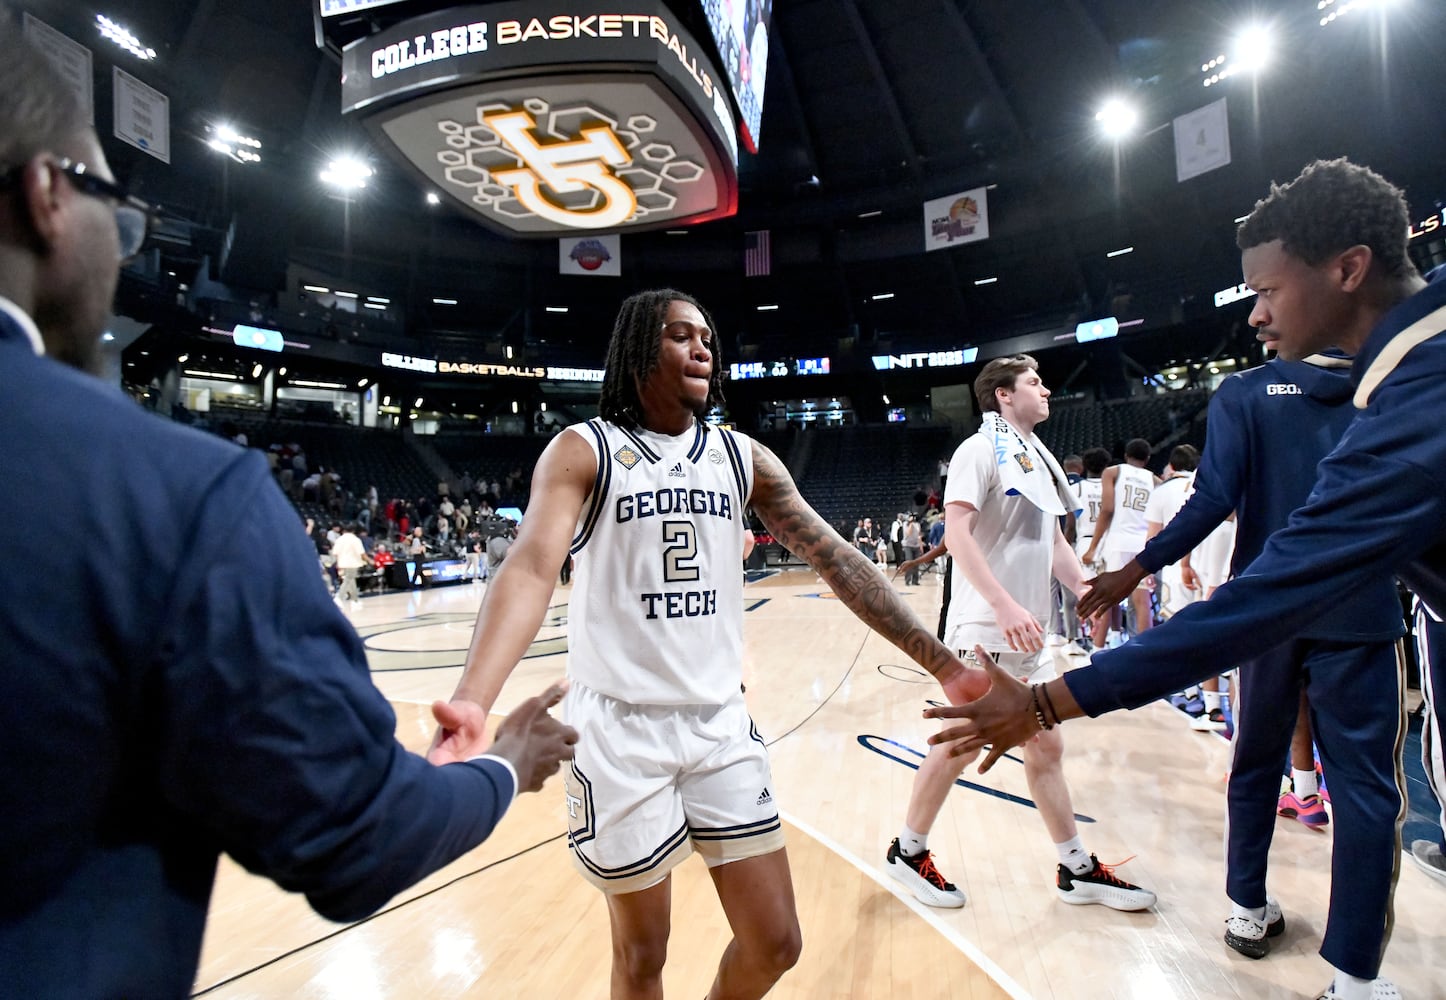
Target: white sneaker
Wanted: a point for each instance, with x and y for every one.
(1101, 885)
(1381, 989)
(926, 882)
(1428, 857)
(1054, 639)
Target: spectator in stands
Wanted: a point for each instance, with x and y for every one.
(443, 489)
(215, 701)
(416, 545)
(371, 500)
(311, 488)
(445, 507)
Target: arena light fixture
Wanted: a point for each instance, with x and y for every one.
(346, 295)
(1331, 10)
(1120, 252)
(870, 215)
(556, 309)
(1117, 118)
(362, 384)
(318, 289)
(882, 296)
(317, 385)
(373, 305)
(433, 198)
(444, 302)
(256, 370)
(199, 373)
(347, 173)
(985, 281)
(1253, 48)
(379, 299)
(768, 308)
(122, 37)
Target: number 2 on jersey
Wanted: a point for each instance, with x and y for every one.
(680, 542)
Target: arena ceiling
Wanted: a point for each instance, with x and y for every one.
(872, 107)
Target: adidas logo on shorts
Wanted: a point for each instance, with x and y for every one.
(677, 471)
(765, 798)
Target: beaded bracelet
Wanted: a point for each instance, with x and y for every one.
(1038, 712)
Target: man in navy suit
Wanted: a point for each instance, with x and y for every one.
(164, 701)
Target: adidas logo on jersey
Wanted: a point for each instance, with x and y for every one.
(677, 471)
(765, 798)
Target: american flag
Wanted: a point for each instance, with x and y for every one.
(757, 258)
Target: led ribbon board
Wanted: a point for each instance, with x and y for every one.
(543, 119)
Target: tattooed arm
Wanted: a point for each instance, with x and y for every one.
(856, 581)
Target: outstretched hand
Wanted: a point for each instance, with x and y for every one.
(461, 731)
(1108, 589)
(534, 742)
(1003, 718)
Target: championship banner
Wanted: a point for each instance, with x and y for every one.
(590, 256)
(142, 115)
(1202, 141)
(955, 219)
(71, 59)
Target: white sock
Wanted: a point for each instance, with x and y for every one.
(1304, 782)
(913, 843)
(1212, 700)
(1255, 913)
(1352, 987)
(1072, 855)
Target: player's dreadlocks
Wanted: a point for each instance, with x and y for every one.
(633, 354)
(1331, 206)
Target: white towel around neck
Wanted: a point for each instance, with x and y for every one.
(1043, 483)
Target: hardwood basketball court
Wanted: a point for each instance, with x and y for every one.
(840, 708)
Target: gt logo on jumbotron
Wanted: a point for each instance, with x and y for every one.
(566, 167)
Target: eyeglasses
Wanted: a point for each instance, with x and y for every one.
(132, 215)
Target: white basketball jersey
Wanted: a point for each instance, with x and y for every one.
(656, 615)
(1091, 494)
(1133, 486)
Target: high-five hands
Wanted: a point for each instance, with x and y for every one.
(1003, 718)
(529, 738)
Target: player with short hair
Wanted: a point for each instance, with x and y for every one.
(650, 499)
(1005, 497)
(1120, 531)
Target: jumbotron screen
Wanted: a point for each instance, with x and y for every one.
(740, 27)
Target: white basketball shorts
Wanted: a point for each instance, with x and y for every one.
(652, 783)
(1032, 668)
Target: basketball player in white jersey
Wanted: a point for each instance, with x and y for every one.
(1120, 532)
(1002, 507)
(1089, 496)
(650, 500)
(1165, 502)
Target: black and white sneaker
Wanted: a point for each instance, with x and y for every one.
(1251, 937)
(1101, 885)
(926, 882)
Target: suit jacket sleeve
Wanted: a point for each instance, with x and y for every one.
(274, 737)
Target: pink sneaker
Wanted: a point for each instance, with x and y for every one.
(1310, 810)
